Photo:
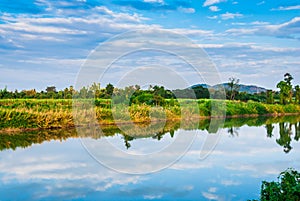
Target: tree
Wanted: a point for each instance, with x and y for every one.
(51, 89)
(4, 93)
(233, 87)
(287, 187)
(201, 92)
(83, 92)
(286, 89)
(137, 87)
(270, 97)
(283, 94)
(109, 89)
(30, 93)
(288, 79)
(297, 94)
(96, 90)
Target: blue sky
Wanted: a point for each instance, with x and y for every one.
(45, 42)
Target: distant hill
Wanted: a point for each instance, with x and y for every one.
(251, 89)
(202, 85)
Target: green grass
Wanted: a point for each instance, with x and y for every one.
(59, 113)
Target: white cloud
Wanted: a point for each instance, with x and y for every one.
(40, 37)
(194, 32)
(210, 196)
(259, 23)
(100, 23)
(212, 17)
(212, 2)
(230, 183)
(290, 29)
(287, 28)
(214, 8)
(212, 189)
(228, 15)
(274, 49)
(239, 23)
(39, 165)
(188, 188)
(152, 197)
(241, 31)
(120, 16)
(60, 62)
(186, 10)
(21, 26)
(155, 1)
(232, 59)
(38, 33)
(297, 7)
(211, 45)
(261, 3)
(183, 166)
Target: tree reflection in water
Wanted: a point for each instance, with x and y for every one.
(289, 130)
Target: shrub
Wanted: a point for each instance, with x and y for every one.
(287, 188)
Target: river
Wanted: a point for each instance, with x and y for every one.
(173, 161)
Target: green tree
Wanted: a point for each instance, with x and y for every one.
(283, 94)
(4, 93)
(233, 88)
(201, 92)
(30, 93)
(109, 90)
(83, 92)
(270, 96)
(95, 90)
(288, 79)
(297, 94)
(51, 91)
(286, 89)
(286, 189)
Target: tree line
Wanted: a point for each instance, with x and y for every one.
(156, 94)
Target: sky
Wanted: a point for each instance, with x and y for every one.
(46, 42)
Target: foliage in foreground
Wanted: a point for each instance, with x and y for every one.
(287, 188)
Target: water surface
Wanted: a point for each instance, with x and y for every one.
(53, 164)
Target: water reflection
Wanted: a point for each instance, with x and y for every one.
(60, 168)
(285, 131)
(289, 130)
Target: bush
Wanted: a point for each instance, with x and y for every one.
(287, 188)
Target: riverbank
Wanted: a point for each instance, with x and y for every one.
(14, 138)
(32, 114)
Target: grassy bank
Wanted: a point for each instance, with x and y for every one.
(59, 113)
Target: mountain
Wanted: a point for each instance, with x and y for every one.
(251, 89)
(200, 85)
